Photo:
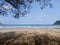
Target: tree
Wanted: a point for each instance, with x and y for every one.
(21, 7)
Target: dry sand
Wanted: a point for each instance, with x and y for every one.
(51, 31)
(30, 36)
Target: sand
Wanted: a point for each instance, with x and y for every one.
(30, 36)
(52, 31)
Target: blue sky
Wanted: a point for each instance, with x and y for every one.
(36, 15)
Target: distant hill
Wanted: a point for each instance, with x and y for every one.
(57, 22)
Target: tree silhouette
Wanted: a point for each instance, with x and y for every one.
(21, 7)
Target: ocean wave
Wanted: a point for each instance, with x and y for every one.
(12, 27)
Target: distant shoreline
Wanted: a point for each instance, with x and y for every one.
(28, 27)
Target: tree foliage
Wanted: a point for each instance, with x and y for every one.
(20, 7)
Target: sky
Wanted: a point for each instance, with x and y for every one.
(36, 15)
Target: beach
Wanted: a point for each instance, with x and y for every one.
(30, 36)
(52, 31)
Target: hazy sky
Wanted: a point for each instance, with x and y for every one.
(36, 15)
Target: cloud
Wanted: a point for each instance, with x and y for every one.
(42, 17)
(7, 6)
(1, 20)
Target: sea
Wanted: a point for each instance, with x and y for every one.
(20, 26)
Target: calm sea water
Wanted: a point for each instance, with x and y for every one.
(29, 26)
